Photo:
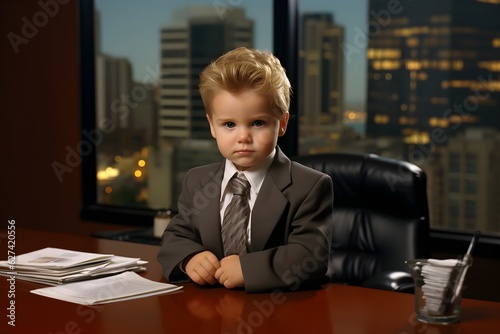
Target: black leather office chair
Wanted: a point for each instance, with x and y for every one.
(380, 216)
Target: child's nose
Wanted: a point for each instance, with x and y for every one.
(244, 135)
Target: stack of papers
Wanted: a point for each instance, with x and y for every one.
(443, 281)
(124, 286)
(54, 266)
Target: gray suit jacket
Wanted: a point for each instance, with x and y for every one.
(290, 233)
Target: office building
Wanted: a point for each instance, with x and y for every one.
(321, 83)
(432, 67)
(433, 84)
(197, 36)
(322, 70)
(113, 85)
(464, 182)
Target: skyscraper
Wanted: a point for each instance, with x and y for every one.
(200, 35)
(113, 86)
(433, 82)
(432, 67)
(321, 83)
(322, 70)
(464, 180)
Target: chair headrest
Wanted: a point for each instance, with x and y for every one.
(373, 182)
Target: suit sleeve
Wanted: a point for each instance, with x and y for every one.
(303, 259)
(180, 238)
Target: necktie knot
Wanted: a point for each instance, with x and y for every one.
(240, 185)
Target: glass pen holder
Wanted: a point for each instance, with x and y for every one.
(438, 289)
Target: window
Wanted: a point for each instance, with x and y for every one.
(453, 211)
(140, 94)
(369, 76)
(471, 162)
(471, 186)
(453, 185)
(470, 210)
(374, 75)
(454, 163)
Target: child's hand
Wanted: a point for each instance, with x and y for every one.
(201, 268)
(229, 274)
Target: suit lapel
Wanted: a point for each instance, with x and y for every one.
(264, 219)
(209, 212)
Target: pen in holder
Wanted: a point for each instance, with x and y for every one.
(438, 286)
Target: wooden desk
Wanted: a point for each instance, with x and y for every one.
(332, 309)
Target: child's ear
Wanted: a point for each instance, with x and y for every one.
(211, 125)
(283, 124)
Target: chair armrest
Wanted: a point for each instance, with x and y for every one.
(393, 281)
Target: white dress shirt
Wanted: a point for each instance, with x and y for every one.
(255, 176)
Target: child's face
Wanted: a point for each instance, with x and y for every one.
(244, 127)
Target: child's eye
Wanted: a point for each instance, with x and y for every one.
(259, 123)
(229, 125)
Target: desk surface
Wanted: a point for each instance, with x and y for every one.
(331, 309)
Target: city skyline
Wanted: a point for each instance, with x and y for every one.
(123, 35)
(411, 80)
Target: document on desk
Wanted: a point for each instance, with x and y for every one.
(55, 266)
(56, 258)
(124, 286)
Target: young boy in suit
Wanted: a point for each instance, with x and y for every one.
(287, 235)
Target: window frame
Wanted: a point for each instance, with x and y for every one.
(286, 23)
(91, 210)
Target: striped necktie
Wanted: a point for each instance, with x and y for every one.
(234, 226)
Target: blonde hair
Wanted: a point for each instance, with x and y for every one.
(243, 68)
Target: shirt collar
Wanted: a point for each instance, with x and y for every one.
(255, 174)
